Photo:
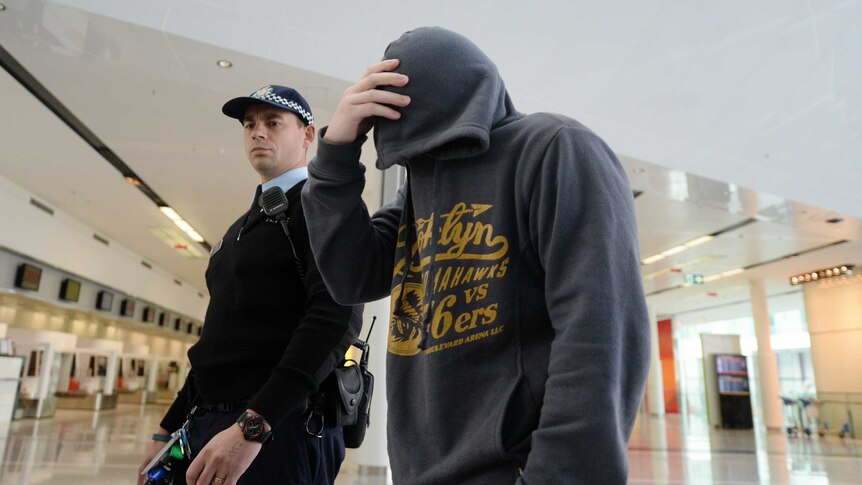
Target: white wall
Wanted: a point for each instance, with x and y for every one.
(68, 244)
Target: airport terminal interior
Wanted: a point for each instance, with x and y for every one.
(738, 124)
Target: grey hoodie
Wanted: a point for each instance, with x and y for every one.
(519, 335)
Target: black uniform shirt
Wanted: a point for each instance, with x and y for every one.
(269, 337)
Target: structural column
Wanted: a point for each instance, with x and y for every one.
(655, 386)
(767, 363)
(834, 313)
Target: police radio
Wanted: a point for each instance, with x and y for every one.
(274, 204)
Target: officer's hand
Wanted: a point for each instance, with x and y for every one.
(228, 455)
(363, 100)
(151, 453)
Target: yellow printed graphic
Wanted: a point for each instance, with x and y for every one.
(456, 262)
(404, 331)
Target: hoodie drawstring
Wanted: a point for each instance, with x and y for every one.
(409, 240)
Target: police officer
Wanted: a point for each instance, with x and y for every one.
(272, 332)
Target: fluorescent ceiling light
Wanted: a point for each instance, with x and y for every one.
(725, 274)
(677, 249)
(182, 224)
(698, 241)
(185, 226)
(172, 214)
(653, 259)
(674, 250)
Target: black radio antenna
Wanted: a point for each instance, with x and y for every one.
(373, 319)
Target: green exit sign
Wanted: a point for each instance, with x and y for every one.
(693, 279)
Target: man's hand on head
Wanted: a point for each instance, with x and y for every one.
(363, 100)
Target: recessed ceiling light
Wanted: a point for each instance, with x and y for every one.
(844, 270)
(2, 7)
(224, 64)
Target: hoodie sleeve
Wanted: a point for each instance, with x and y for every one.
(354, 251)
(581, 223)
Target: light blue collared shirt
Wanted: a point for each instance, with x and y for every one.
(287, 179)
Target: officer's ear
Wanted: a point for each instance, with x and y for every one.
(310, 131)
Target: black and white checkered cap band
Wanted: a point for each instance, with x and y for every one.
(291, 105)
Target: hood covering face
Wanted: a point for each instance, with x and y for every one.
(457, 97)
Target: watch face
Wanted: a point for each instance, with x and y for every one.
(253, 427)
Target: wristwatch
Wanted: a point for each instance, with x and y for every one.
(254, 428)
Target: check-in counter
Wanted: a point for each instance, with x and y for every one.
(136, 365)
(11, 374)
(171, 375)
(45, 354)
(92, 376)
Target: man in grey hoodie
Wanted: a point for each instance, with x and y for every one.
(519, 338)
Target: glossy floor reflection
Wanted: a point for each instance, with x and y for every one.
(677, 449)
(81, 447)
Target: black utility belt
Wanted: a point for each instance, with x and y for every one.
(225, 407)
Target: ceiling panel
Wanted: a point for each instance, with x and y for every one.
(251, 29)
(45, 157)
(664, 223)
(151, 13)
(754, 96)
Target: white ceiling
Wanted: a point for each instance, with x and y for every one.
(763, 95)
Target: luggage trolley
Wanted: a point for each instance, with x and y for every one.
(791, 416)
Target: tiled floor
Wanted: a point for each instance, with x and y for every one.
(679, 450)
(80, 447)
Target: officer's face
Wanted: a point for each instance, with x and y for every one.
(275, 140)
